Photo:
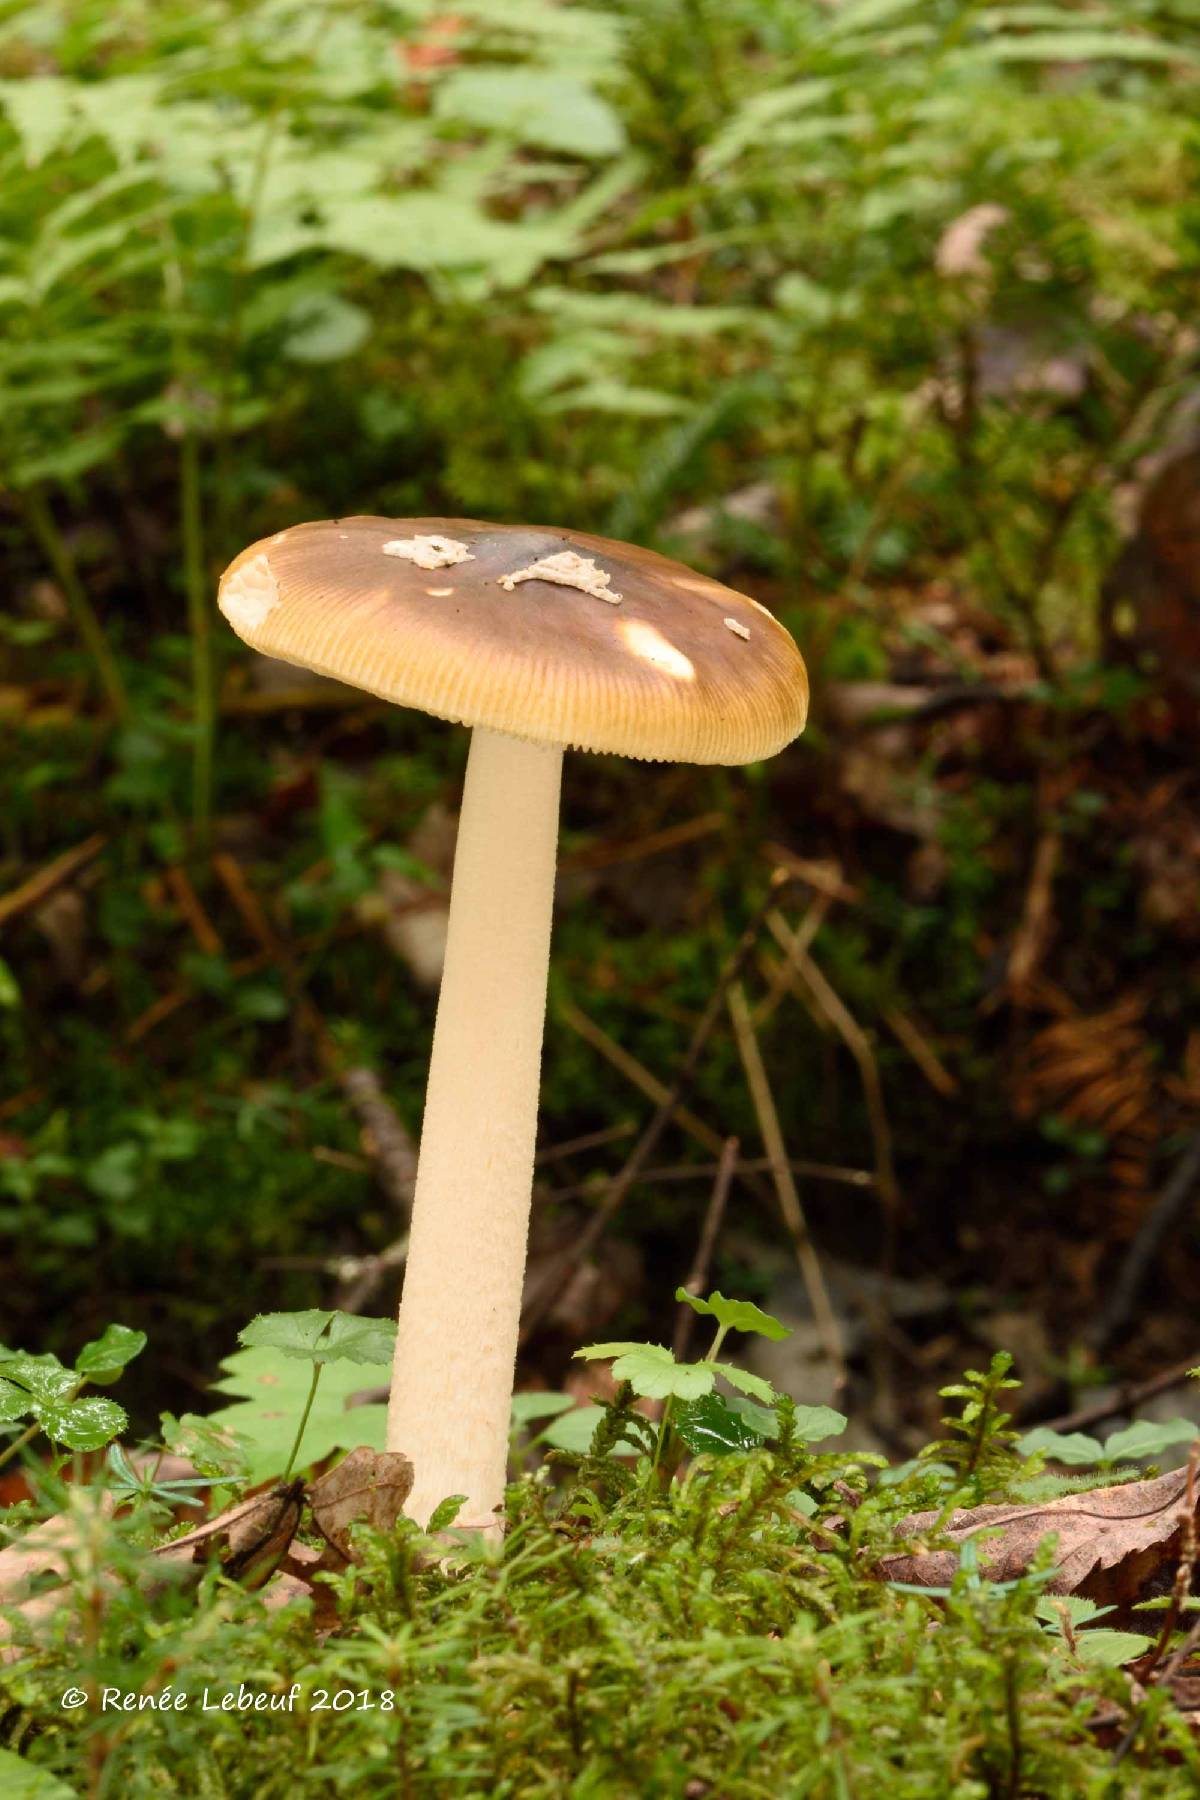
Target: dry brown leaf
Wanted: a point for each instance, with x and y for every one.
(250, 1540)
(1110, 1540)
(369, 1487)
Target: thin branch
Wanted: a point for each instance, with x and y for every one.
(538, 1305)
(812, 987)
(50, 878)
(1160, 1222)
(785, 1185)
(697, 1279)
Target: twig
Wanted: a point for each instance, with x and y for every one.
(591, 1140)
(1030, 942)
(539, 1304)
(47, 880)
(817, 990)
(755, 1165)
(922, 1052)
(361, 1277)
(1123, 1399)
(636, 1072)
(825, 877)
(697, 1279)
(1185, 1569)
(779, 975)
(1161, 1220)
(603, 856)
(785, 1185)
(385, 1139)
(232, 876)
(189, 903)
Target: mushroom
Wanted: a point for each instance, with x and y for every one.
(540, 641)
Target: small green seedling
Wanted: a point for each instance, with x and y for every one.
(130, 1484)
(43, 1391)
(697, 1416)
(278, 1421)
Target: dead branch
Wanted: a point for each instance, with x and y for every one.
(785, 1185)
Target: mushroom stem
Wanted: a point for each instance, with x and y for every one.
(461, 1305)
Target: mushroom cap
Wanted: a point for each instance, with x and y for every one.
(613, 648)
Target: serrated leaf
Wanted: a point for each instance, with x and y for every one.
(653, 1371)
(43, 1377)
(736, 1315)
(317, 1336)
(1146, 1437)
(103, 1359)
(82, 1424)
(710, 1426)
(754, 1385)
(14, 1403)
(594, 1352)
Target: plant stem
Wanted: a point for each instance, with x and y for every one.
(204, 697)
(19, 1443)
(308, 1405)
(42, 525)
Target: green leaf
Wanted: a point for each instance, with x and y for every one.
(445, 1513)
(209, 1448)
(1074, 1448)
(15, 1403)
(327, 328)
(710, 1425)
(1104, 1649)
(114, 1174)
(526, 1408)
(1076, 47)
(815, 1423)
(653, 1372)
(43, 1377)
(10, 993)
(21, 1780)
(323, 1337)
(736, 1315)
(1145, 1437)
(754, 1385)
(103, 1359)
(272, 1388)
(41, 110)
(575, 1430)
(533, 106)
(82, 1424)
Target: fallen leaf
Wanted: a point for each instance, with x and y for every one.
(250, 1540)
(368, 1487)
(1110, 1541)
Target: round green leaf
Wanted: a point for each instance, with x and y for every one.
(103, 1359)
(83, 1424)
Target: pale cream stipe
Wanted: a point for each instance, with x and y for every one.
(460, 1308)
